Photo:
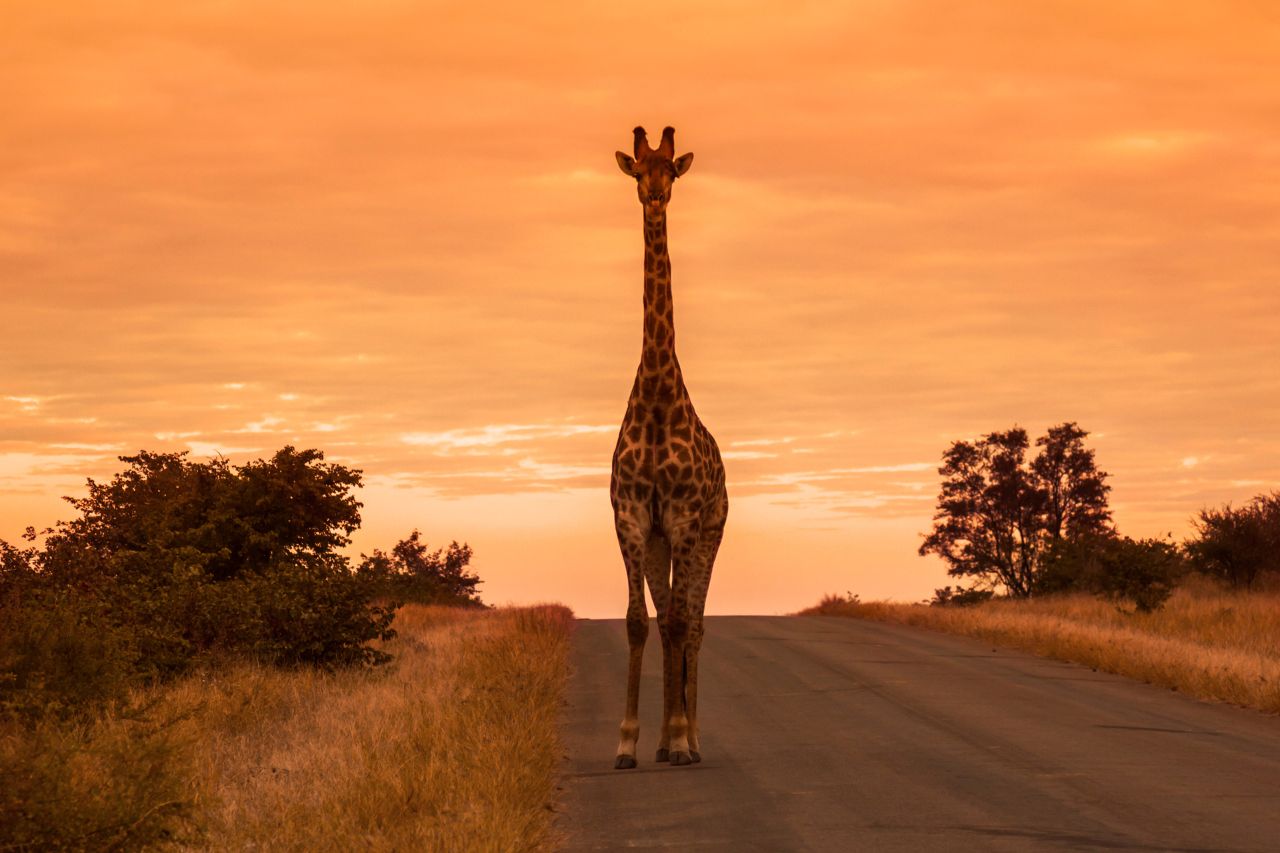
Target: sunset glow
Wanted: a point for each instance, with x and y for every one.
(396, 232)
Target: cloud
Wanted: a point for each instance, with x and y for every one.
(230, 228)
(498, 434)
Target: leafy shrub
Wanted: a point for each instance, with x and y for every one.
(316, 614)
(17, 574)
(960, 596)
(111, 783)
(413, 573)
(60, 657)
(168, 565)
(1142, 571)
(1236, 545)
(173, 562)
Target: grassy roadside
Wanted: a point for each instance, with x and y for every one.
(453, 746)
(1208, 642)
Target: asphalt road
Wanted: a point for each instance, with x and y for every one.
(838, 734)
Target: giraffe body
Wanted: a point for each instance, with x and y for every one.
(667, 487)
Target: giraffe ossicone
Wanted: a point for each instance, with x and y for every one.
(667, 486)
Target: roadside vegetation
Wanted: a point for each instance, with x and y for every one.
(450, 746)
(1048, 573)
(191, 661)
(1208, 640)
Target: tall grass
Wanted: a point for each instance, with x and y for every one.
(453, 746)
(1207, 641)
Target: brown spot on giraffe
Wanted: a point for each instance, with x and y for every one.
(669, 511)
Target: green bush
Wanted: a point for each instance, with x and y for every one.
(59, 657)
(318, 614)
(960, 596)
(174, 562)
(1238, 544)
(1143, 572)
(413, 573)
(110, 783)
(169, 565)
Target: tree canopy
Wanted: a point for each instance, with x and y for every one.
(998, 512)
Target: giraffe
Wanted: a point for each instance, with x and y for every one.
(668, 485)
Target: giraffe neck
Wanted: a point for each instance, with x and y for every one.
(658, 357)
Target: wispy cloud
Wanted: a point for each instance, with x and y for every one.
(499, 434)
(244, 229)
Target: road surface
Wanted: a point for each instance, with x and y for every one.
(824, 733)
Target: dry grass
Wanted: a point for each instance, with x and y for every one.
(453, 746)
(1206, 641)
(453, 749)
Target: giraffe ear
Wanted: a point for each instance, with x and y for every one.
(682, 163)
(626, 164)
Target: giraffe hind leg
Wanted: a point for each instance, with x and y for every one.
(708, 547)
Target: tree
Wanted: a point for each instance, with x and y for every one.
(412, 572)
(1237, 544)
(1075, 491)
(997, 513)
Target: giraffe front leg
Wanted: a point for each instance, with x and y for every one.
(629, 732)
(657, 572)
(632, 543)
(684, 546)
(677, 717)
(663, 755)
(691, 691)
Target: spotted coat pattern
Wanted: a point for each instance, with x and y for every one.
(667, 487)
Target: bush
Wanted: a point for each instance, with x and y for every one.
(960, 596)
(61, 658)
(112, 783)
(173, 562)
(1141, 571)
(412, 573)
(1236, 545)
(317, 614)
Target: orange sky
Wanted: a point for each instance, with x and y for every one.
(395, 231)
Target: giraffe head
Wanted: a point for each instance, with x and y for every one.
(655, 169)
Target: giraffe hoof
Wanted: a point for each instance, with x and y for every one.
(663, 756)
(680, 759)
(624, 762)
(695, 756)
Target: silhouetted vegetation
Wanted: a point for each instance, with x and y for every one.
(173, 562)
(1043, 526)
(998, 513)
(1143, 572)
(413, 573)
(1238, 544)
(170, 565)
(960, 596)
